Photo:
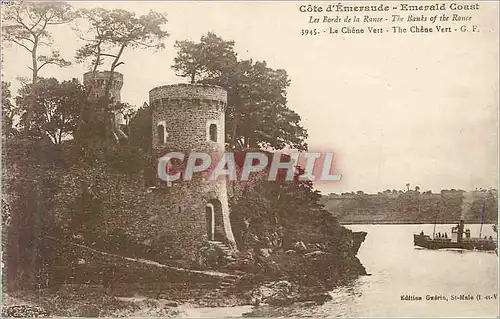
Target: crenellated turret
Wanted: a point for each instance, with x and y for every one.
(96, 83)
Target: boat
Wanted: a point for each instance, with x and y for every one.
(459, 239)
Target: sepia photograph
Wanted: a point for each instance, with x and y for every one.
(230, 159)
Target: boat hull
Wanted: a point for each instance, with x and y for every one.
(425, 241)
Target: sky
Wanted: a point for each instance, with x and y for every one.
(418, 109)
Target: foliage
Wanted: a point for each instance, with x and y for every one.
(323, 269)
(414, 206)
(485, 206)
(94, 192)
(140, 128)
(62, 109)
(212, 57)
(127, 111)
(264, 214)
(211, 255)
(114, 31)
(26, 24)
(29, 183)
(55, 109)
(257, 114)
(8, 112)
(91, 127)
(98, 204)
(277, 214)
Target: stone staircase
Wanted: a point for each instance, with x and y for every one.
(228, 281)
(228, 251)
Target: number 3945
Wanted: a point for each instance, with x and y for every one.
(310, 32)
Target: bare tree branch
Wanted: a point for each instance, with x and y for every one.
(20, 32)
(20, 44)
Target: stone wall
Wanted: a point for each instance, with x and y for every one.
(186, 125)
(97, 82)
(188, 91)
(184, 113)
(179, 213)
(164, 224)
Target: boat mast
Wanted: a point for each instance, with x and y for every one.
(482, 216)
(434, 230)
(435, 220)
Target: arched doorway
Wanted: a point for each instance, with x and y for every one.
(215, 221)
(210, 218)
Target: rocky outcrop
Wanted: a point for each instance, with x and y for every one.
(24, 311)
(282, 293)
(358, 239)
(305, 266)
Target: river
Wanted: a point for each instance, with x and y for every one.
(398, 268)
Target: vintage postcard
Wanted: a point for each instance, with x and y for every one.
(214, 159)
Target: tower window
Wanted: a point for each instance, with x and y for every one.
(212, 131)
(161, 133)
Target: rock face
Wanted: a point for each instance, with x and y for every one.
(300, 247)
(305, 273)
(305, 267)
(214, 254)
(275, 292)
(24, 311)
(283, 293)
(358, 239)
(355, 266)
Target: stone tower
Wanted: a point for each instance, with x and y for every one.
(187, 118)
(100, 80)
(97, 81)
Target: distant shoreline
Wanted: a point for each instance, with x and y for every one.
(407, 223)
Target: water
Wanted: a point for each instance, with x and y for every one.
(398, 268)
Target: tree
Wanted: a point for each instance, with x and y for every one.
(141, 129)
(278, 213)
(8, 111)
(211, 58)
(26, 25)
(128, 112)
(257, 114)
(113, 32)
(265, 213)
(56, 107)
